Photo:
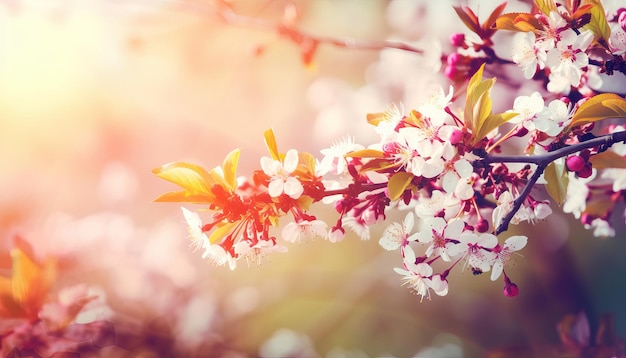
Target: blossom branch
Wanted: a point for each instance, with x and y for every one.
(542, 161)
(300, 37)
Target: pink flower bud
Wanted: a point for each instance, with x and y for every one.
(390, 147)
(457, 39)
(585, 172)
(453, 59)
(511, 289)
(575, 163)
(455, 136)
(482, 226)
(450, 72)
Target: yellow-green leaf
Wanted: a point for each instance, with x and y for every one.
(185, 197)
(492, 122)
(220, 232)
(190, 177)
(398, 183)
(599, 107)
(366, 153)
(608, 159)
(230, 169)
(270, 143)
(379, 164)
(598, 24)
(545, 6)
(556, 181)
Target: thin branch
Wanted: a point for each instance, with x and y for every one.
(545, 159)
(298, 36)
(542, 161)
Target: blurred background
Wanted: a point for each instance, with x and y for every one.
(94, 94)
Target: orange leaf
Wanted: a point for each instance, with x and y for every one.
(270, 143)
(31, 281)
(608, 159)
(491, 20)
(469, 18)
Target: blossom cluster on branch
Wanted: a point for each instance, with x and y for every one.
(445, 162)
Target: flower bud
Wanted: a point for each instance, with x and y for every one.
(575, 163)
(457, 39)
(450, 72)
(511, 289)
(585, 172)
(482, 226)
(455, 136)
(453, 59)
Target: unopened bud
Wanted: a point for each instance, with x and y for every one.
(457, 39)
(455, 136)
(482, 226)
(585, 172)
(453, 59)
(575, 163)
(511, 289)
(450, 72)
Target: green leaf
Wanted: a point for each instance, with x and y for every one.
(598, 24)
(398, 183)
(599, 107)
(270, 143)
(545, 6)
(378, 165)
(556, 181)
(608, 159)
(492, 122)
(190, 177)
(230, 169)
(478, 105)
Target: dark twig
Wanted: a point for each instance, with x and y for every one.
(542, 161)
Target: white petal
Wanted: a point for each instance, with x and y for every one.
(388, 243)
(408, 222)
(293, 187)
(497, 269)
(515, 243)
(269, 166)
(291, 161)
(291, 232)
(454, 229)
(275, 187)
